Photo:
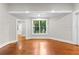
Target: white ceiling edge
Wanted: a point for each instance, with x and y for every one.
(40, 11)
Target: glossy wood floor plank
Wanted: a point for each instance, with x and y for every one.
(40, 47)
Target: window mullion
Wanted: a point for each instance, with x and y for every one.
(39, 26)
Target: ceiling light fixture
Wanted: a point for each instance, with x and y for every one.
(27, 11)
(38, 15)
(53, 11)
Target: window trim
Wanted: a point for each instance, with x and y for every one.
(46, 26)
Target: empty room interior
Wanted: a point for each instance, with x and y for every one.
(39, 28)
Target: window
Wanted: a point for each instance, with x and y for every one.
(39, 26)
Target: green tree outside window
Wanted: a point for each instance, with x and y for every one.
(39, 26)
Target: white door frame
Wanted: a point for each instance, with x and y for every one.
(16, 27)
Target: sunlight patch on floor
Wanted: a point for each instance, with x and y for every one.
(43, 50)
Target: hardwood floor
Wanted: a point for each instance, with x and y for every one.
(40, 47)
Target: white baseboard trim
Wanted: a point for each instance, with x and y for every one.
(62, 40)
(4, 44)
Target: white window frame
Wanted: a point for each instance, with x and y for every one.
(39, 29)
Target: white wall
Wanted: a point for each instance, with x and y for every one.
(4, 26)
(7, 25)
(76, 6)
(12, 28)
(62, 28)
(40, 6)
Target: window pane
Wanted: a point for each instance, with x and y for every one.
(36, 29)
(42, 26)
(36, 23)
(36, 26)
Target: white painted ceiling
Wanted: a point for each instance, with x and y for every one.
(39, 9)
(39, 6)
(36, 15)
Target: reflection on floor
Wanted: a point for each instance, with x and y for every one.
(39, 47)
